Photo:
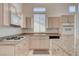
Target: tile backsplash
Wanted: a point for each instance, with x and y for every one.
(7, 31)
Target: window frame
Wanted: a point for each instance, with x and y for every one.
(40, 13)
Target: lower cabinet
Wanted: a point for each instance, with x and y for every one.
(39, 43)
(21, 48)
(34, 43)
(7, 50)
(44, 43)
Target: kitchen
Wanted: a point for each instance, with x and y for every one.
(38, 29)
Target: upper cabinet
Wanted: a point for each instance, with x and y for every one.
(54, 22)
(10, 14)
(1, 9)
(67, 19)
(4, 15)
(67, 24)
(26, 23)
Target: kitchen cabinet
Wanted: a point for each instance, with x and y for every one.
(39, 42)
(15, 48)
(7, 50)
(4, 15)
(64, 46)
(44, 43)
(1, 13)
(28, 22)
(67, 19)
(34, 43)
(22, 48)
(54, 22)
(67, 24)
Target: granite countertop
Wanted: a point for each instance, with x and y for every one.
(15, 42)
(32, 33)
(11, 42)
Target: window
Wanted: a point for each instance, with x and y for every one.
(72, 9)
(39, 22)
(39, 10)
(39, 19)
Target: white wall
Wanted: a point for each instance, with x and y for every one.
(53, 9)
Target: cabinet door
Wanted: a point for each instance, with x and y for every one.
(6, 50)
(28, 22)
(53, 22)
(22, 47)
(44, 44)
(6, 16)
(34, 43)
(67, 18)
(1, 14)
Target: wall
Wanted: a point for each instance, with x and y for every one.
(53, 9)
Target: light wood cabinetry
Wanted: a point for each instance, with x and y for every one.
(34, 43)
(1, 13)
(4, 14)
(67, 19)
(67, 24)
(20, 48)
(6, 50)
(54, 22)
(39, 42)
(44, 43)
(28, 22)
